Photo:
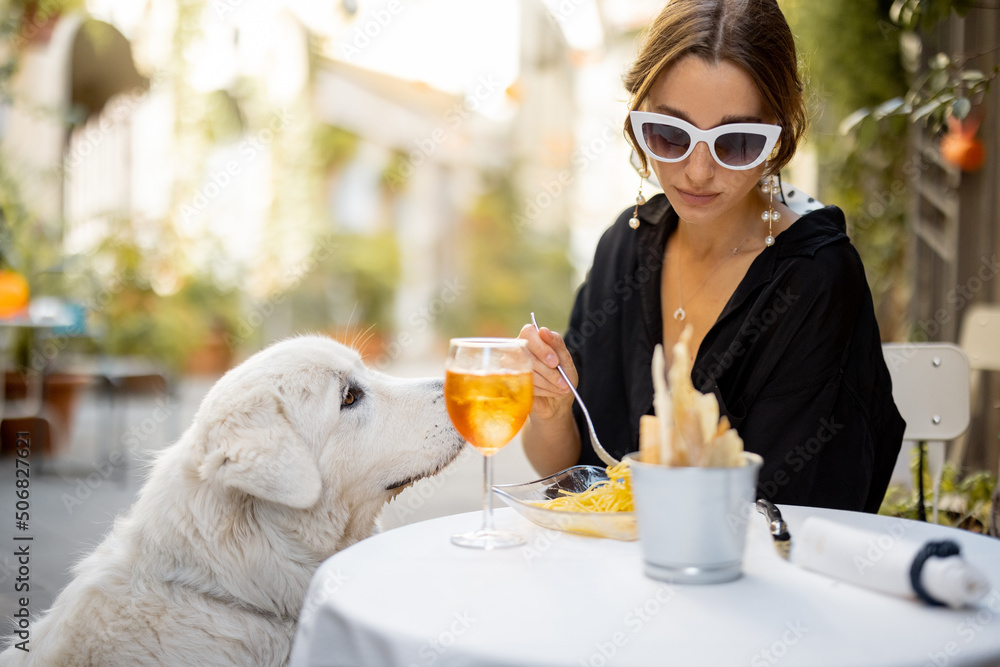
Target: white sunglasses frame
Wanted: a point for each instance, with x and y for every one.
(769, 132)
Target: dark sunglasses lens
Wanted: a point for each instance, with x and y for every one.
(738, 149)
(666, 141)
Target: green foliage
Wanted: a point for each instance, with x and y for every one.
(30, 247)
(511, 270)
(945, 89)
(366, 266)
(925, 14)
(17, 227)
(222, 119)
(140, 322)
(965, 500)
(334, 146)
(851, 54)
(142, 305)
(21, 20)
(397, 172)
(873, 134)
(27, 243)
(849, 50)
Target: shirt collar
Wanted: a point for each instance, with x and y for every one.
(811, 232)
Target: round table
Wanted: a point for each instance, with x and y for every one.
(408, 597)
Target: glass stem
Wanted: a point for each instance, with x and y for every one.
(487, 494)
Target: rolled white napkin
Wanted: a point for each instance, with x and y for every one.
(882, 561)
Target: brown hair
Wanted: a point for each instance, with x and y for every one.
(752, 34)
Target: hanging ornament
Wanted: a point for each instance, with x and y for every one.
(960, 147)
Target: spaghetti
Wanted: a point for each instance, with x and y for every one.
(611, 495)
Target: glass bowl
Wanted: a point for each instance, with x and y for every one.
(524, 498)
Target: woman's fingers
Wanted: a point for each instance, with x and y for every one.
(548, 379)
(563, 357)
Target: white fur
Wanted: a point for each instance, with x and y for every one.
(211, 564)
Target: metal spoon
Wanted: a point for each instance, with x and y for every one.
(594, 441)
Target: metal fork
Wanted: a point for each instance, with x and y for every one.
(594, 441)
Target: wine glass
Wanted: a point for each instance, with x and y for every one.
(488, 391)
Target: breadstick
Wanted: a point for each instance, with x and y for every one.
(649, 439)
(662, 407)
(687, 431)
(698, 437)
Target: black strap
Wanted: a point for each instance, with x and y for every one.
(921, 505)
(939, 549)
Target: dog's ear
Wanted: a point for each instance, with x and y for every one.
(257, 451)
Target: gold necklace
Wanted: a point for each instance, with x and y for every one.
(680, 314)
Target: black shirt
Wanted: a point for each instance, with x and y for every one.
(795, 358)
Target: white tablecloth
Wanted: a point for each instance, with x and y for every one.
(409, 597)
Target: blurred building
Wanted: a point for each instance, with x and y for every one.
(70, 68)
(185, 125)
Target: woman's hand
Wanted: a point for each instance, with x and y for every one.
(550, 437)
(552, 395)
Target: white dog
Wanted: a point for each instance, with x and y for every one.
(291, 457)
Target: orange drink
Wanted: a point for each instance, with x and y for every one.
(488, 408)
(488, 389)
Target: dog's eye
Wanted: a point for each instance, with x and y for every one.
(351, 396)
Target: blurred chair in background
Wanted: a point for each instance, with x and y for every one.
(119, 381)
(930, 384)
(980, 340)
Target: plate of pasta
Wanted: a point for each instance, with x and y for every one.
(587, 500)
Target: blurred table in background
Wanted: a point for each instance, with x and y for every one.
(116, 379)
(40, 392)
(30, 386)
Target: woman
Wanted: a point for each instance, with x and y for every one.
(781, 313)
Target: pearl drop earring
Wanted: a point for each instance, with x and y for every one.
(639, 200)
(770, 216)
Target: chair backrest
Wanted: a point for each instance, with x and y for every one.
(980, 336)
(930, 384)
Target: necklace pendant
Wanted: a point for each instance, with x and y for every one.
(679, 314)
